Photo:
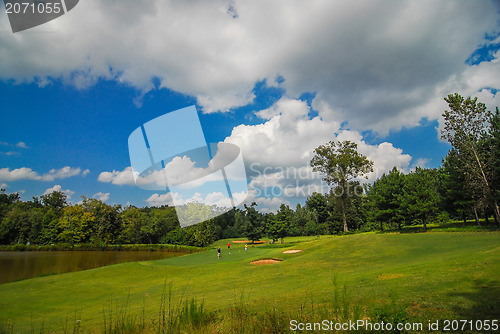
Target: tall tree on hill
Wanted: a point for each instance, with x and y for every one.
(239, 222)
(466, 125)
(492, 149)
(55, 200)
(304, 221)
(456, 199)
(318, 204)
(253, 223)
(421, 198)
(387, 194)
(280, 223)
(204, 233)
(340, 163)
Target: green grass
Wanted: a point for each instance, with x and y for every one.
(423, 276)
(449, 226)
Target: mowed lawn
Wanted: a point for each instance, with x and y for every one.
(432, 276)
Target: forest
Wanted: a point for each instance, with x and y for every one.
(466, 186)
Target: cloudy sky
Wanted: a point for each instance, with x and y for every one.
(276, 78)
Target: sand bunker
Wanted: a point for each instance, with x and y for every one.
(265, 261)
(292, 251)
(247, 242)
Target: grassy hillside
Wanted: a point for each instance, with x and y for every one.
(423, 276)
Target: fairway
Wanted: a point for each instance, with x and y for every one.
(427, 275)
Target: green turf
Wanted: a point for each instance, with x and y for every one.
(430, 275)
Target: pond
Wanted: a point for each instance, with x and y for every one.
(22, 265)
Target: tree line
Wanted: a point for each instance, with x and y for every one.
(466, 186)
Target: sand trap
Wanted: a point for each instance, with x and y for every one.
(264, 261)
(292, 251)
(247, 242)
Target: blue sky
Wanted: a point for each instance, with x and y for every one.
(275, 82)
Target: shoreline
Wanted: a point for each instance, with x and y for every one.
(119, 247)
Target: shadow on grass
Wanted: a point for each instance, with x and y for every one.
(471, 226)
(485, 299)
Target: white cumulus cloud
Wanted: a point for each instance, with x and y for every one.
(379, 65)
(160, 199)
(64, 173)
(278, 152)
(22, 173)
(25, 173)
(214, 198)
(22, 144)
(103, 197)
(120, 178)
(57, 187)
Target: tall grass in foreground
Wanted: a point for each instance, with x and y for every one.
(185, 315)
(189, 315)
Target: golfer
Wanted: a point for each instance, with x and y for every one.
(218, 253)
(229, 248)
(246, 248)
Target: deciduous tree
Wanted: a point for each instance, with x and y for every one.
(253, 223)
(466, 125)
(340, 162)
(280, 223)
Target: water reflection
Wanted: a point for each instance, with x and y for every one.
(22, 265)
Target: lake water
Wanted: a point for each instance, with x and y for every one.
(22, 265)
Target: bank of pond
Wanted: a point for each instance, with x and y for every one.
(18, 262)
